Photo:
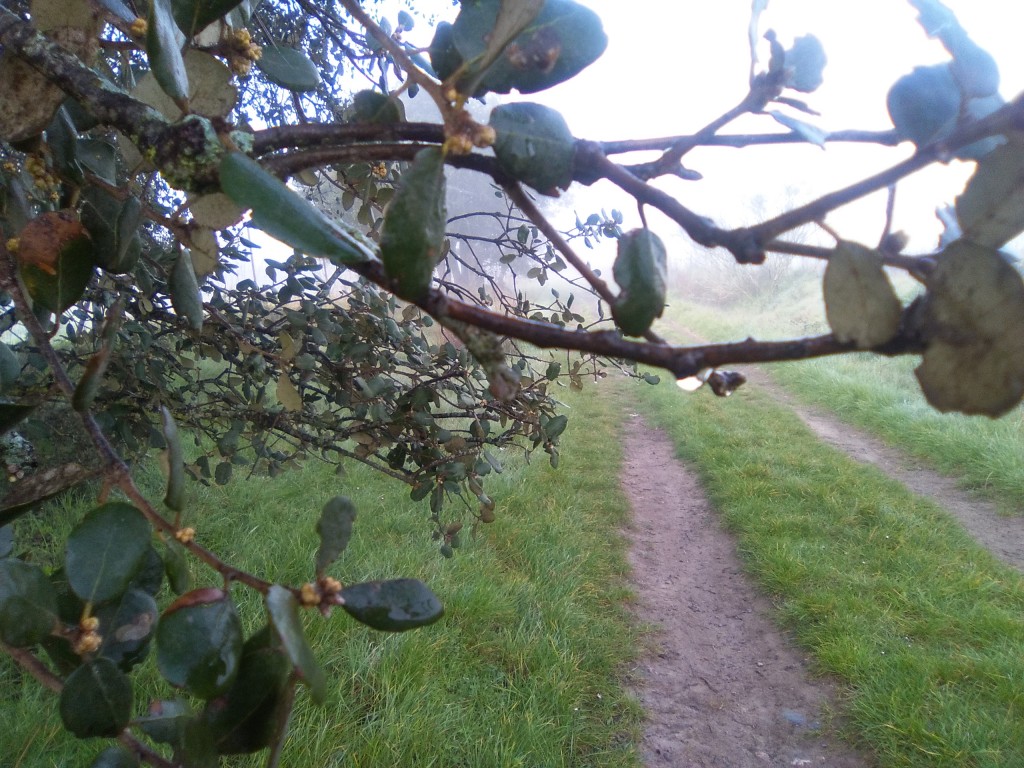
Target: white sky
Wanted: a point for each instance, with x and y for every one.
(674, 65)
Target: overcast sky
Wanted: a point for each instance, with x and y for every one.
(674, 65)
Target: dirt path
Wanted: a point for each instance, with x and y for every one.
(1001, 535)
(726, 689)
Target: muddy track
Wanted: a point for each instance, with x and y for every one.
(726, 687)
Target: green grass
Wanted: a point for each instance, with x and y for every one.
(881, 396)
(924, 627)
(525, 669)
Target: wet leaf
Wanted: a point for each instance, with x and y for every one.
(96, 700)
(284, 616)
(163, 45)
(193, 16)
(199, 643)
(127, 627)
(375, 107)
(534, 145)
(10, 367)
(184, 289)
(284, 215)
(175, 496)
(991, 208)
(176, 566)
(28, 603)
(242, 720)
(805, 62)
(804, 130)
(563, 39)
(56, 259)
(412, 235)
(115, 757)
(640, 271)
(392, 606)
(105, 550)
(974, 320)
(114, 227)
(860, 303)
(215, 211)
(289, 68)
(335, 530)
(925, 104)
(211, 91)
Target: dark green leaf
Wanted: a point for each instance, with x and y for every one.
(335, 529)
(289, 68)
(166, 721)
(176, 567)
(60, 281)
(175, 496)
(555, 426)
(10, 367)
(554, 368)
(444, 56)
(405, 21)
(199, 643)
(127, 627)
(392, 606)
(925, 104)
(184, 289)
(150, 576)
(412, 236)
(805, 62)
(284, 615)
(534, 145)
(163, 45)
(242, 720)
(12, 414)
(222, 474)
(28, 603)
(105, 550)
(96, 700)
(640, 270)
(564, 38)
(282, 214)
(192, 16)
(375, 107)
(115, 757)
(6, 540)
(100, 157)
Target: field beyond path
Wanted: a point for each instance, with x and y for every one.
(726, 687)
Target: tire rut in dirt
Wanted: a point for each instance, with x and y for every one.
(725, 687)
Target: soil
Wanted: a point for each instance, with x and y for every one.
(725, 686)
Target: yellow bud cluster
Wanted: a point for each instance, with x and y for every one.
(379, 170)
(138, 27)
(88, 642)
(310, 595)
(47, 182)
(244, 52)
(9, 167)
(12, 244)
(185, 535)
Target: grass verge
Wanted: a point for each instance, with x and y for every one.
(925, 627)
(881, 396)
(524, 670)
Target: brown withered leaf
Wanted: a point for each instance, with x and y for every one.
(42, 239)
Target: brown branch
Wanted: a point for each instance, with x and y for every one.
(116, 471)
(884, 138)
(316, 135)
(34, 666)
